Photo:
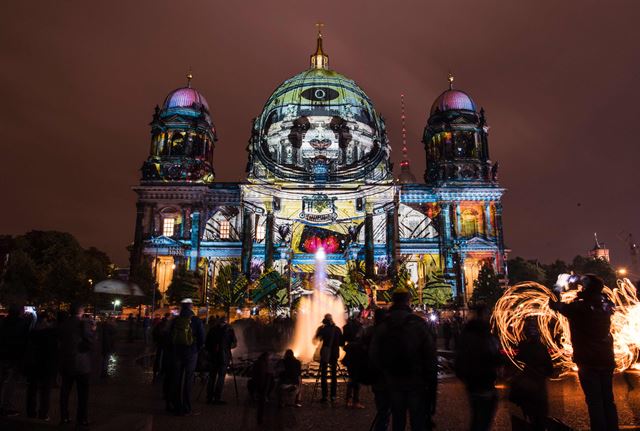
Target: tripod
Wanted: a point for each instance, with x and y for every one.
(205, 376)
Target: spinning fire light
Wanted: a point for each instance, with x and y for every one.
(531, 300)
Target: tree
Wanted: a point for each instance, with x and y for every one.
(600, 267)
(486, 289)
(184, 284)
(231, 288)
(524, 270)
(144, 278)
(271, 291)
(351, 291)
(50, 266)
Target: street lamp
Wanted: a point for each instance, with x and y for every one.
(115, 303)
(621, 272)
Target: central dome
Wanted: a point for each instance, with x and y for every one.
(319, 126)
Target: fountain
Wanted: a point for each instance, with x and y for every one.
(312, 310)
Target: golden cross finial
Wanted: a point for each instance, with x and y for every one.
(450, 79)
(189, 77)
(319, 60)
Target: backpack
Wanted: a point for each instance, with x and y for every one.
(398, 349)
(182, 334)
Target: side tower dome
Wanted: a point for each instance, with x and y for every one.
(182, 140)
(319, 127)
(455, 141)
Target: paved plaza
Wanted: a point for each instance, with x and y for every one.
(128, 401)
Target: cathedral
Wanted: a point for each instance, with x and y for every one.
(319, 176)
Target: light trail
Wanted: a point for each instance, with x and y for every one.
(530, 300)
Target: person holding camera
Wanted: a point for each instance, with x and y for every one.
(589, 317)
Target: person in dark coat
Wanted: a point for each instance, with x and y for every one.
(187, 338)
(160, 335)
(404, 351)
(261, 383)
(76, 337)
(354, 359)
(289, 378)
(13, 336)
(41, 366)
(477, 362)
(107, 343)
(447, 333)
(221, 338)
(380, 390)
(529, 387)
(589, 318)
(331, 338)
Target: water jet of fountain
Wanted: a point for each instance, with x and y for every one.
(312, 310)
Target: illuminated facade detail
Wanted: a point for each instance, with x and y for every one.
(599, 250)
(319, 176)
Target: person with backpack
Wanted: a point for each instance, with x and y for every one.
(187, 338)
(331, 338)
(221, 338)
(476, 364)
(355, 360)
(403, 351)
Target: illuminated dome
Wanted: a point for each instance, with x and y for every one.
(185, 97)
(453, 100)
(319, 126)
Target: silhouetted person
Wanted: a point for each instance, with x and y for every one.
(187, 338)
(146, 328)
(76, 341)
(131, 326)
(331, 338)
(41, 366)
(289, 378)
(221, 338)
(261, 383)
(589, 318)
(107, 343)
(160, 334)
(13, 335)
(378, 386)
(529, 387)
(477, 362)
(447, 333)
(404, 351)
(355, 360)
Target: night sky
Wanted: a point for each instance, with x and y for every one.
(559, 81)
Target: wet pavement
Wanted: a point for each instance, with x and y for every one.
(128, 401)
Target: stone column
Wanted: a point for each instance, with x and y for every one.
(488, 227)
(368, 245)
(458, 221)
(194, 251)
(247, 242)
(268, 241)
(391, 240)
(500, 264)
(138, 238)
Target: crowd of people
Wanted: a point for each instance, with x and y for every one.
(51, 349)
(395, 354)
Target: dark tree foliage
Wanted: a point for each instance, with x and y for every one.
(51, 267)
(601, 268)
(486, 289)
(230, 289)
(184, 284)
(143, 276)
(525, 270)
